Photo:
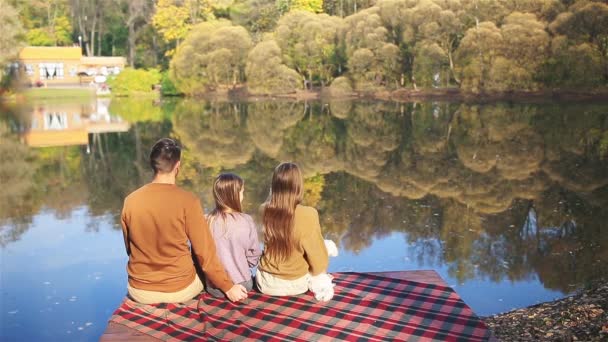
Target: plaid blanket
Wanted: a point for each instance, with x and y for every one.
(365, 308)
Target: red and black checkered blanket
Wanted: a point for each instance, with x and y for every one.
(365, 308)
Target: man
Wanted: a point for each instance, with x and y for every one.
(160, 222)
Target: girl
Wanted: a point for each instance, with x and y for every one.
(295, 258)
(235, 235)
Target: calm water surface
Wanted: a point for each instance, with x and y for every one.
(506, 201)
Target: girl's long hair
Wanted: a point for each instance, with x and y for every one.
(279, 209)
(226, 193)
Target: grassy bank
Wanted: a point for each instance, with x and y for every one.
(58, 93)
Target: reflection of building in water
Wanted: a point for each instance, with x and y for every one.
(70, 124)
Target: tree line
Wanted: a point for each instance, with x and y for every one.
(280, 46)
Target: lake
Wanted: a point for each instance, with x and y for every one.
(506, 201)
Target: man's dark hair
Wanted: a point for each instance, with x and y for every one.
(164, 155)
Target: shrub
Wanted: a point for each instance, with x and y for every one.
(134, 81)
(168, 88)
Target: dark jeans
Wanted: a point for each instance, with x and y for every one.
(217, 293)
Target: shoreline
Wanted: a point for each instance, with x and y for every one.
(405, 95)
(580, 317)
(411, 95)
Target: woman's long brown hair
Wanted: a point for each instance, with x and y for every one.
(226, 192)
(279, 210)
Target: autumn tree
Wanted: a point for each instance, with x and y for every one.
(313, 6)
(173, 19)
(212, 56)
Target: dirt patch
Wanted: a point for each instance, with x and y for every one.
(581, 317)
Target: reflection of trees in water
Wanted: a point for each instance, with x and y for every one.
(215, 134)
(312, 142)
(118, 164)
(373, 132)
(61, 179)
(18, 202)
(498, 138)
(460, 180)
(267, 122)
(479, 160)
(35, 179)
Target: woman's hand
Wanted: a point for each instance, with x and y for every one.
(236, 293)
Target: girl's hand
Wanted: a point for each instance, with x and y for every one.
(236, 293)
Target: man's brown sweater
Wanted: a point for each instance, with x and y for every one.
(158, 221)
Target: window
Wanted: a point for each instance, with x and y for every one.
(51, 71)
(59, 71)
(55, 121)
(42, 71)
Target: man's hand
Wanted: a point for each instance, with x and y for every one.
(236, 293)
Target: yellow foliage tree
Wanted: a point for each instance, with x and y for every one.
(174, 19)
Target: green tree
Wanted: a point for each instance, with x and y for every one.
(88, 16)
(266, 72)
(309, 43)
(586, 22)
(39, 37)
(137, 18)
(47, 22)
(10, 40)
(258, 16)
(213, 56)
(344, 8)
(505, 58)
(477, 53)
(545, 10)
(373, 61)
(526, 46)
(440, 34)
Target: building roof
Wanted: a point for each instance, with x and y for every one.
(50, 52)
